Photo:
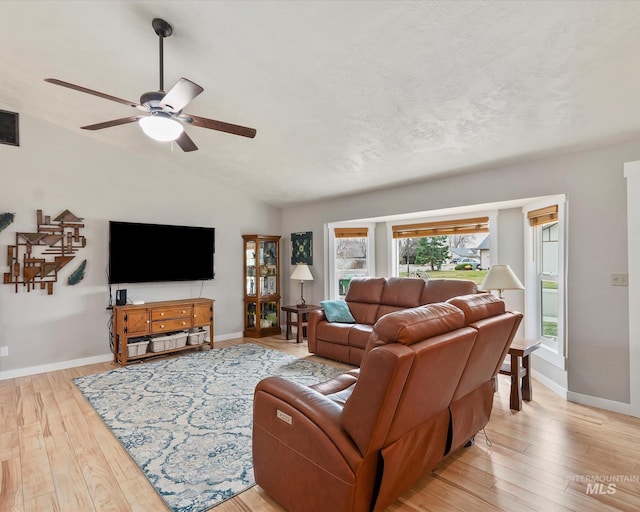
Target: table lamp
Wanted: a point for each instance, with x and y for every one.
(501, 277)
(302, 273)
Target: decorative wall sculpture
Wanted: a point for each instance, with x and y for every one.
(5, 220)
(78, 274)
(36, 258)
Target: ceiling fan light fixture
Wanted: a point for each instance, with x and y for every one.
(161, 127)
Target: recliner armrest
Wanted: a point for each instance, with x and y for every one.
(316, 316)
(301, 397)
(313, 319)
(304, 419)
(335, 385)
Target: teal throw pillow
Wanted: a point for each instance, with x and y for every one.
(337, 311)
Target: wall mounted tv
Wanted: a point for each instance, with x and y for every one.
(145, 253)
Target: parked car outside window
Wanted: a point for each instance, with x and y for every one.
(475, 263)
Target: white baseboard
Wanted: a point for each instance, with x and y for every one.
(63, 365)
(225, 337)
(553, 386)
(601, 403)
(579, 398)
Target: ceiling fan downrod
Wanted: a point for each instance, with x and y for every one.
(163, 29)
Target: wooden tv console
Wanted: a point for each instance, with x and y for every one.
(137, 320)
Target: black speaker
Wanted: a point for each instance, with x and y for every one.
(121, 297)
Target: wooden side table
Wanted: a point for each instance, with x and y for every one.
(519, 370)
(302, 315)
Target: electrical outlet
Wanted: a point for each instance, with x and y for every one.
(620, 279)
(4, 351)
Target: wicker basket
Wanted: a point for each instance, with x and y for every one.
(181, 339)
(137, 348)
(197, 337)
(162, 343)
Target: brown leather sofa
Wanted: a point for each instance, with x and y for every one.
(369, 298)
(357, 442)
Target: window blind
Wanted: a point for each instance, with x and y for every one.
(543, 215)
(447, 227)
(351, 232)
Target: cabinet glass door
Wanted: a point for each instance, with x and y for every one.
(250, 278)
(251, 315)
(268, 268)
(269, 315)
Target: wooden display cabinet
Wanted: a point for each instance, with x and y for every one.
(155, 318)
(261, 285)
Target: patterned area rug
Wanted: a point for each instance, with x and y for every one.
(186, 421)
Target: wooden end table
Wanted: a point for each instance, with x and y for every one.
(519, 370)
(302, 316)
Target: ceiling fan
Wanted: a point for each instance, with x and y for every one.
(164, 117)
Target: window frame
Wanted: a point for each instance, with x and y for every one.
(534, 276)
(333, 271)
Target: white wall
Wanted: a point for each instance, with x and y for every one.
(54, 170)
(598, 313)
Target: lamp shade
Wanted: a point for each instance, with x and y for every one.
(501, 277)
(302, 273)
(161, 127)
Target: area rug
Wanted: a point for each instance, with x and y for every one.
(186, 421)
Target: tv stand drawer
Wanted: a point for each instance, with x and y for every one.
(174, 324)
(174, 312)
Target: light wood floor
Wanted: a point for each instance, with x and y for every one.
(57, 455)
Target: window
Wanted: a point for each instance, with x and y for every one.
(429, 245)
(352, 257)
(545, 283)
(548, 284)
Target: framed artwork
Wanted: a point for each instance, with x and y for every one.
(302, 248)
(9, 128)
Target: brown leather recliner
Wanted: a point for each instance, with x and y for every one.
(357, 442)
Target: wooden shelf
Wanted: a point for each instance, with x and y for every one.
(171, 351)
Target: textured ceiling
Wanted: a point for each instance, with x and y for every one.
(345, 96)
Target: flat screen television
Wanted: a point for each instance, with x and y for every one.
(146, 253)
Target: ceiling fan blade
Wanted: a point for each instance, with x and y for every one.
(91, 91)
(115, 122)
(181, 94)
(185, 142)
(234, 129)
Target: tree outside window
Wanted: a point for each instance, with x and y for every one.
(433, 251)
